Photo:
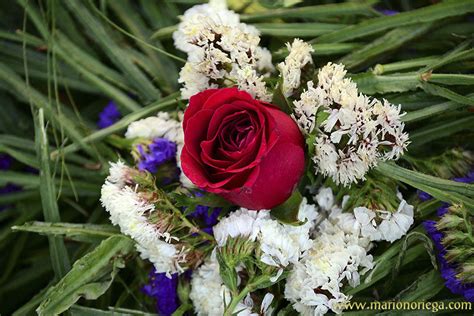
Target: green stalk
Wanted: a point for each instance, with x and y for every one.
(251, 286)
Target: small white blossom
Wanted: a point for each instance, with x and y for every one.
(356, 131)
(129, 211)
(243, 222)
(336, 257)
(221, 51)
(298, 57)
(384, 225)
(280, 244)
(208, 293)
(161, 125)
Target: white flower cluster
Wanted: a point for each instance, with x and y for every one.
(290, 70)
(280, 244)
(375, 225)
(358, 130)
(337, 256)
(221, 51)
(161, 125)
(130, 212)
(208, 293)
(384, 225)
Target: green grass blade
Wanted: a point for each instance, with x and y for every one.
(102, 38)
(381, 46)
(297, 29)
(122, 124)
(58, 252)
(422, 15)
(90, 276)
(315, 12)
(78, 232)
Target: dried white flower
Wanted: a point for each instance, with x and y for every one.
(336, 257)
(299, 56)
(384, 225)
(221, 51)
(130, 212)
(355, 131)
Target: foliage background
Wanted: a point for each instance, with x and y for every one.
(62, 61)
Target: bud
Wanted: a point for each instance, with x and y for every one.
(467, 272)
(455, 237)
(459, 254)
(449, 221)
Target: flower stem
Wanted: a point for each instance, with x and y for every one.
(250, 287)
(188, 223)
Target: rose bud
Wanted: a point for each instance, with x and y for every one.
(245, 150)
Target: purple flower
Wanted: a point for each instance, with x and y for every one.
(207, 216)
(386, 11)
(164, 291)
(109, 115)
(449, 269)
(5, 162)
(159, 151)
(423, 196)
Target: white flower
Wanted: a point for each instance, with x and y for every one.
(307, 106)
(280, 244)
(221, 51)
(384, 225)
(299, 56)
(208, 293)
(243, 222)
(315, 283)
(208, 290)
(129, 211)
(356, 131)
(248, 80)
(161, 125)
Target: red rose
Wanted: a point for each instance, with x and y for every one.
(247, 151)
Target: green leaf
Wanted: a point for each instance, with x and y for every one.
(79, 232)
(89, 277)
(370, 83)
(77, 310)
(58, 252)
(99, 34)
(433, 110)
(444, 190)
(422, 289)
(384, 44)
(296, 29)
(315, 12)
(446, 93)
(376, 25)
(121, 124)
(288, 211)
(430, 133)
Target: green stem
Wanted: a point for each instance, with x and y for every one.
(251, 286)
(188, 223)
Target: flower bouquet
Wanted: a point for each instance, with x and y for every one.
(281, 179)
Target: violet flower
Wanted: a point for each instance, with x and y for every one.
(6, 162)
(449, 269)
(205, 215)
(164, 291)
(161, 150)
(109, 115)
